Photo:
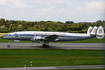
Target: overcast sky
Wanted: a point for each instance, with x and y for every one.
(53, 10)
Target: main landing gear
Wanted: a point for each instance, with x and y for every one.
(9, 44)
(44, 45)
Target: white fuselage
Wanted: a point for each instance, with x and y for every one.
(62, 36)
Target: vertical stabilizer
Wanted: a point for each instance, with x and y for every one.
(89, 30)
(100, 32)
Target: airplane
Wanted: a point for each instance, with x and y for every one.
(44, 37)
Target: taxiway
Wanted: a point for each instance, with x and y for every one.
(56, 67)
(54, 46)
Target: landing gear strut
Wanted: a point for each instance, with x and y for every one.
(9, 44)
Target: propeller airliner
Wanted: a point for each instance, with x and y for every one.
(44, 37)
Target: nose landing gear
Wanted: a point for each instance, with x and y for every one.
(9, 44)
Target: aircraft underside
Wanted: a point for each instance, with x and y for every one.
(46, 42)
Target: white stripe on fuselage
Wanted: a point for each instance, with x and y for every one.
(48, 33)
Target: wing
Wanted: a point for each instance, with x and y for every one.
(51, 37)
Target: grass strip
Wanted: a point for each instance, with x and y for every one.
(3, 33)
(49, 57)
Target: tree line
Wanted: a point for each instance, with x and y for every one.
(69, 26)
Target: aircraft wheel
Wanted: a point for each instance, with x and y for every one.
(47, 46)
(44, 45)
(8, 46)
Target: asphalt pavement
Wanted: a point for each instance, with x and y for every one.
(55, 67)
(54, 46)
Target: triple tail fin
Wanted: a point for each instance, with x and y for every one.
(98, 32)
